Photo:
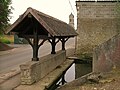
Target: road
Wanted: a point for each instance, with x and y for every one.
(23, 53)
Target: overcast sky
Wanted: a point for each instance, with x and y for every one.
(59, 9)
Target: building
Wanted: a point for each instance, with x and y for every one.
(71, 20)
(97, 21)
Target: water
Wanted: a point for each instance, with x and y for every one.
(70, 74)
(77, 70)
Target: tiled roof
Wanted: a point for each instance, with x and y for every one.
(52, 25)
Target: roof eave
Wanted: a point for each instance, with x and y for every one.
(30, 10)
(18, 20)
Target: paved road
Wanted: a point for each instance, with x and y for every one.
(23, 53)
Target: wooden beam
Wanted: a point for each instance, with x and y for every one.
(26, 29)
(53, 44)
(32, 36)
(63, 40)
(42, 43)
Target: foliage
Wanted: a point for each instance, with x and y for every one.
(5, 11)
(6, 39)
(87, 56)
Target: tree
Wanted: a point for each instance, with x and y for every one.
(5, 11)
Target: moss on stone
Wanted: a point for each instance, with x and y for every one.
(87, 56)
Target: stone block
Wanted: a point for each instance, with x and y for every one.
(97, 22)
(33, 71)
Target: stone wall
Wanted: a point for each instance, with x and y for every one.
(107, 55)
(33, 71)
(96, 23)
(82, 69)
(75, 83)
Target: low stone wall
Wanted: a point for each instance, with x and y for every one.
(33, 71)
(75, 83)
(107, 55)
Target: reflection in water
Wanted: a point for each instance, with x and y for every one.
(70, 74)
(82, 69)
(77, 70)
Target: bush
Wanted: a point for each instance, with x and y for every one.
(4, 40)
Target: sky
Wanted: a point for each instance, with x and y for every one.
(60, 9)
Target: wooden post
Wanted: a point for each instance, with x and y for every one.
(63, 43)
(53, 46)
(63, 40)
(35, 47)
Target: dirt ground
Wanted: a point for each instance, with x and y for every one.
(4, 47)
(99, 81)
(108, 81)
